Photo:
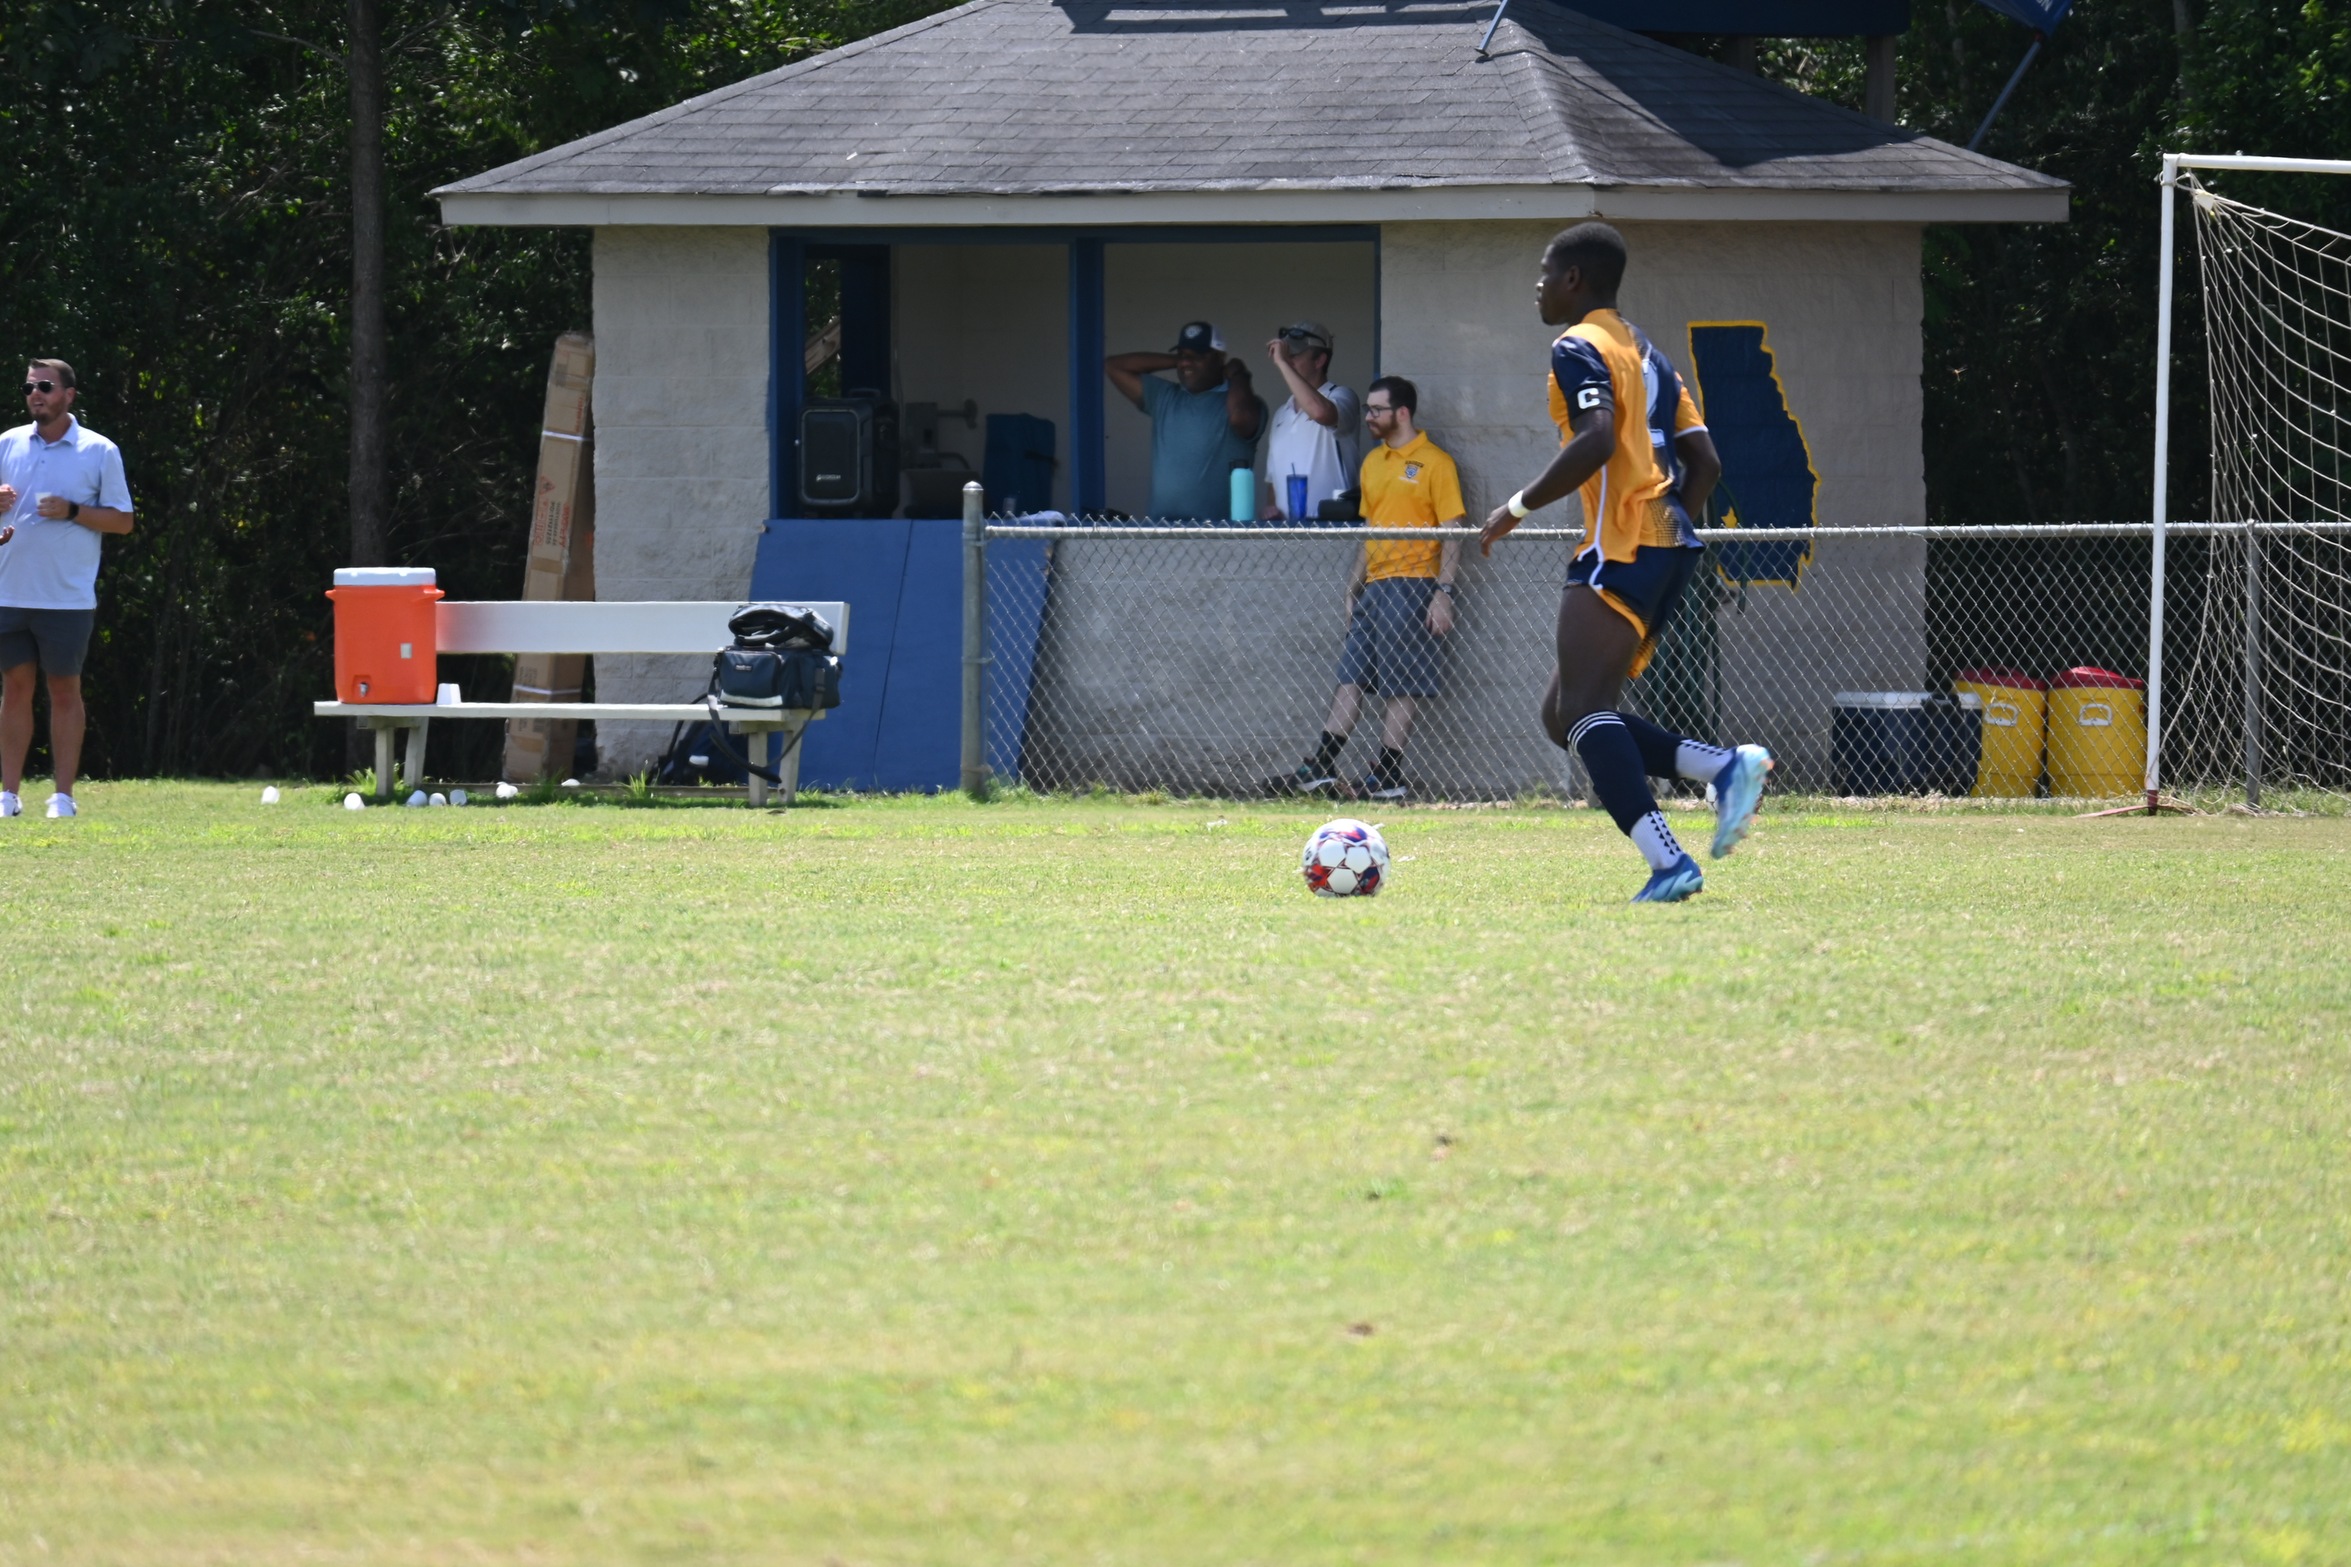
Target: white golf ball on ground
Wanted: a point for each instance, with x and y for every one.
(507, 791)
(352, 802)
(415, 800)
(269, 795)
(457, 797)
(438, 799)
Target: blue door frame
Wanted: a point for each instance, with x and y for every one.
(789, 252)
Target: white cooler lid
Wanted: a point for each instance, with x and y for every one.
(384, 577)
(1967, 699)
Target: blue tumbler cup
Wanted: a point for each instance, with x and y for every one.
(1297, 496)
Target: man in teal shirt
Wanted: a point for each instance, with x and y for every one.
(1204, 423)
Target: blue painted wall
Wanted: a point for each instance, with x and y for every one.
(900, 722)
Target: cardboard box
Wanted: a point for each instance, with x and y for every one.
(561, 561)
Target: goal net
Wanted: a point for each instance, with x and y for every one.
(2260, 602)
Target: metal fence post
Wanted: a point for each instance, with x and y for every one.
(2253, 664)
(975, 640)
(2162, 508)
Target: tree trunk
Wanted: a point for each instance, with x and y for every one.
(370, 435)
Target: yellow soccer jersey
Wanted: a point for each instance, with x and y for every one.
(1410, 486)
(1599, 363)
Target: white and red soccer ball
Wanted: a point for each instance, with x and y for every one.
(1345, 859)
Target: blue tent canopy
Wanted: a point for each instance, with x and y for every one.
(2042, 16)
(1759, 18)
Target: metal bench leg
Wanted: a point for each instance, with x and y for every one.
(416, 742)
(383, 760)
(755, 747)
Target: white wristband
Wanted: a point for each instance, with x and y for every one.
(1518, 504)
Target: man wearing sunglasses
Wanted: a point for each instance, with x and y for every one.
(61, 486)
(1317, 434)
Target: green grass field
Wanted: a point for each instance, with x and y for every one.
(915, 1182)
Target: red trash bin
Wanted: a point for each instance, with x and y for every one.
(386, 649)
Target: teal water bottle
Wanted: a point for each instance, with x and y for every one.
(1244, 493)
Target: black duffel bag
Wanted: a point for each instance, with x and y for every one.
(755, 677)
(782, 657)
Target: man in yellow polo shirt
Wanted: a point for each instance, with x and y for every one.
(1399, 598)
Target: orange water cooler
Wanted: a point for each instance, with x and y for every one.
(386, 649)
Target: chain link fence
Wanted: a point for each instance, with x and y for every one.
(1202, 659)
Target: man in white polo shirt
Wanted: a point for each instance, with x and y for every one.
(61, 486)
(1318, 433)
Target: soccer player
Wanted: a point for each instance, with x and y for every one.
(1612, 396)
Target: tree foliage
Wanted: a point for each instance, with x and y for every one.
(176, 183)
(179, 230)
(2040, 339)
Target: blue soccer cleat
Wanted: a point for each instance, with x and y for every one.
(1738, 790)
(1682, 879)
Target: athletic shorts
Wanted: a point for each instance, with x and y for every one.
(1644, 590)
(1390, 650)
(57, 637)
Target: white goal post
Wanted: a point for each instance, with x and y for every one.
(2178, 172)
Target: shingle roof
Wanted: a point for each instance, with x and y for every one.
(1048, 97)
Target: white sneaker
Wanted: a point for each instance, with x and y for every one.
(60, 805)
(10, 805)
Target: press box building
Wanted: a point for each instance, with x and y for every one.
(1013, 188)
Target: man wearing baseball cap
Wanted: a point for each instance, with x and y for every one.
(1317, 434)
(1204, 423)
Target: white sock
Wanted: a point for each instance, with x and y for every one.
(1698, 761)
(1655, 840)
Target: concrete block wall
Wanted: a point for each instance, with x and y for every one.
(681, 443)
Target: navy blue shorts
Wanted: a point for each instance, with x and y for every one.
(1390, 650)
(57, 637)
(1644, 590)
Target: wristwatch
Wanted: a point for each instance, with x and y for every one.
(1445, 588)
(73, 511)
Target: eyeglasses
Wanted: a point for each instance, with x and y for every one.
(30, 387)
(1374, 410)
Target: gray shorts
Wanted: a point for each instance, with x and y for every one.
(1390, 650)
(58, 637)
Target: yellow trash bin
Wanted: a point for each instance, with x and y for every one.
(2015, 719)
(2097, 733)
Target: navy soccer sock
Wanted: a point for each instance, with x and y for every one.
(1614, 761)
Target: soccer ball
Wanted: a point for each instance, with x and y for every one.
(1345, 859)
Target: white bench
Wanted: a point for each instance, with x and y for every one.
(561, 627)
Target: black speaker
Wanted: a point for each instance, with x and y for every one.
(849, 457)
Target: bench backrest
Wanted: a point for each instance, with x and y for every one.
(516, 626)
